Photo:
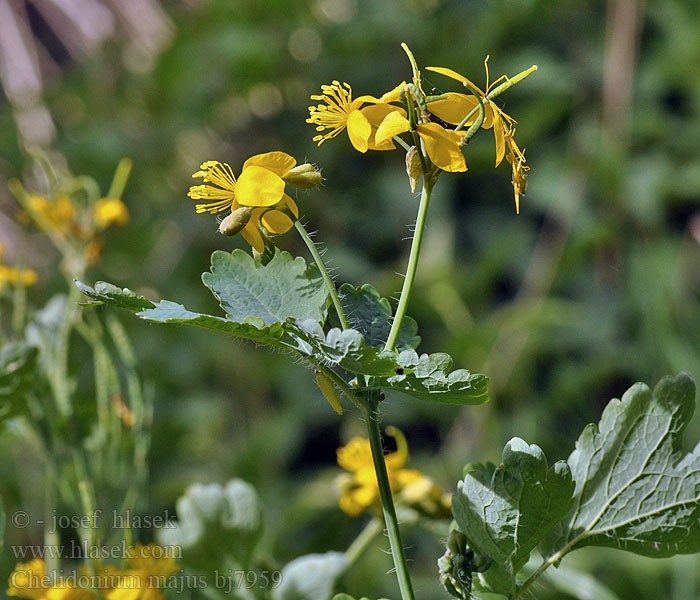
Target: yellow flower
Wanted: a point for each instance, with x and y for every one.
(340, 112)
(260, 187)
(442, 145)
(360, 490)
(516, 158)
(457, 106)
(15, 276)
(110, 211)
(150, 568)
(57, 215)
(29, 580)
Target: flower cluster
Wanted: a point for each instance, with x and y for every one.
(376, 123)
(149, 568)
(73, 213)
(359, 489)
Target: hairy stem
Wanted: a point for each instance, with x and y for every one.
(330, 286)
(370, 413)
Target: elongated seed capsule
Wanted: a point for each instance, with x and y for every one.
(329, 391)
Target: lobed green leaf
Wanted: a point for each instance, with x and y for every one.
(506, 515)
(107, 293)
(345, 348)
(273, 292)
(635, 489)
(251, 328)
(428, 377)
(371, 315)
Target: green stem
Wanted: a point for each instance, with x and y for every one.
(370, 413)
(479, 120)
(330, 286)
(555, 558)
(412, 266)
(414, 64)
(496, 92)
(121, 175)
(362, 541)
(401, 143)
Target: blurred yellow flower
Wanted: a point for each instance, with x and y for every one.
(15, 276)
(62, 591)
(359, 487)
(339, 111)
(260, 187)
(150, 568)
(457, 106)
(29, 580)
(52, 215)
(110, 211)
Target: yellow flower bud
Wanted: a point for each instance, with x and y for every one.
(236, 221)
(329, 391)
(303, 176)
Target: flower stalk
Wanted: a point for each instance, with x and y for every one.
(412, 264)
(330, 286)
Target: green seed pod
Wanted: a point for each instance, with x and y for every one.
(328, 389)
(236, 221)
(304, 176)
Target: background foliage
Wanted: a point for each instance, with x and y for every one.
(593, 287)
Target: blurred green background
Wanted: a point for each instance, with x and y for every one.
(594, 286)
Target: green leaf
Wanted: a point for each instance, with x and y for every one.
(345, 348)
(106, 293)
(428, 377)
(18, 362)
(311, 577)
(216, 524)
(506, 516)
(371, 315)
(252, 328)
(282, 288)
(635, 489)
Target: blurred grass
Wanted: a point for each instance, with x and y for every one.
(593, 287)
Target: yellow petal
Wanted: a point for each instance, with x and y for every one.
(359, 130)
(454, 75)
(258, 186)
(275, 221)
(454, 108)
(442, 146)
(355, 455)
(291, 204)
(393, 95)
(499, 132)
(376, 113)
(277, 162)
(393, 124)
(252, 235)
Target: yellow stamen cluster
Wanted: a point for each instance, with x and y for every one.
(334, 113)
(222, 192)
